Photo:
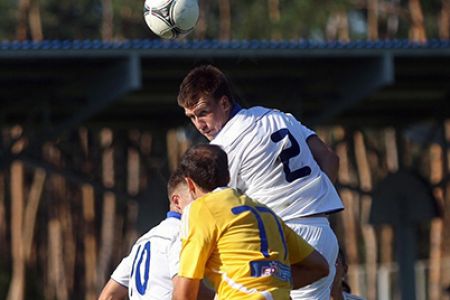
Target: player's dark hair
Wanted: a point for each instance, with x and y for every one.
(175, 179)
(206, 165)
(203, 82)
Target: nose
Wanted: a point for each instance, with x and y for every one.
(199, 123)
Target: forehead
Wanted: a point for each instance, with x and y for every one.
(201, 104)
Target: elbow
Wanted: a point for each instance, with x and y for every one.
(331, 167)
(335, 159)
(313, 268)
(320, 271)
(105, 297)
(322, 267)
(324, 271)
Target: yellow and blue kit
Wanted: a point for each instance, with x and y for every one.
(240, 246)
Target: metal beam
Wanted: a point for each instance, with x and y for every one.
(358, 81)
(103, 88)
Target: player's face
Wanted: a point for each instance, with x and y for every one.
(209, 116)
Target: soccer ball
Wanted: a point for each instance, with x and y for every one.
(171, 18)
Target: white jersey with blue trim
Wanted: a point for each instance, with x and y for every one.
(148, 270)
(270, 161)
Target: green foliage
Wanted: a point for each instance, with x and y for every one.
(129, 20)
(301, 18)
(432, 9)
(250, 20)
(67, 19)
(8, 19)
(307, 19)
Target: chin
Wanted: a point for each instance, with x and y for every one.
(208, 136)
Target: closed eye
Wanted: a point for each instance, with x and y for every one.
(202, 113)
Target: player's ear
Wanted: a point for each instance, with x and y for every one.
(175, 200)
(225, 103)
(190, 184)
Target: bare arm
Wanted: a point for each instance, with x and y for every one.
(310, 269)
(325, 157)
(205, 293)
(185, 288)
(113, 291)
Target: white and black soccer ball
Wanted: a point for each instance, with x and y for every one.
(171, 18)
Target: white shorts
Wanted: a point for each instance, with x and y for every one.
(318, 233)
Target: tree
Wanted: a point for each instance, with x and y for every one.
(107, 20)
(200, 31)
(225, 20)
(444, 20)
(34, 18)
(21, 30)
(417, 28)
(274, 17)
(372, 19)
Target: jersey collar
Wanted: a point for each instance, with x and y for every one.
(173, 214)
(236, 108)
(221, 188)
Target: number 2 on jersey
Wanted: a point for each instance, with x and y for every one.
(288, 153)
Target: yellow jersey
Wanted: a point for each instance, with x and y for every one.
(239, 246)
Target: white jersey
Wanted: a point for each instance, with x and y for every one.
(270, 161)
(148, 270)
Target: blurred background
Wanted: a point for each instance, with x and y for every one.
(90, 129)
(226, 19)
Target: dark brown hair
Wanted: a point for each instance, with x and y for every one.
(175, 180)
(203, 82)
(206, 165)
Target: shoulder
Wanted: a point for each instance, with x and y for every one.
(202, 207)
(166, 230)
(243, 122)
(197, 220)
(221, 199)
(211, 206)
(268, 117)
(192, 214)
(256, 111)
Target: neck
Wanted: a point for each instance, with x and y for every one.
(173, 207)
(235, 108)
(200, 193)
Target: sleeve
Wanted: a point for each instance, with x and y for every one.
(198, 238)
(122, 273)
(304, 130)
(298, 248)
(174, 255)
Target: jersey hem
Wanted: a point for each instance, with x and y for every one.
(118, 282)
